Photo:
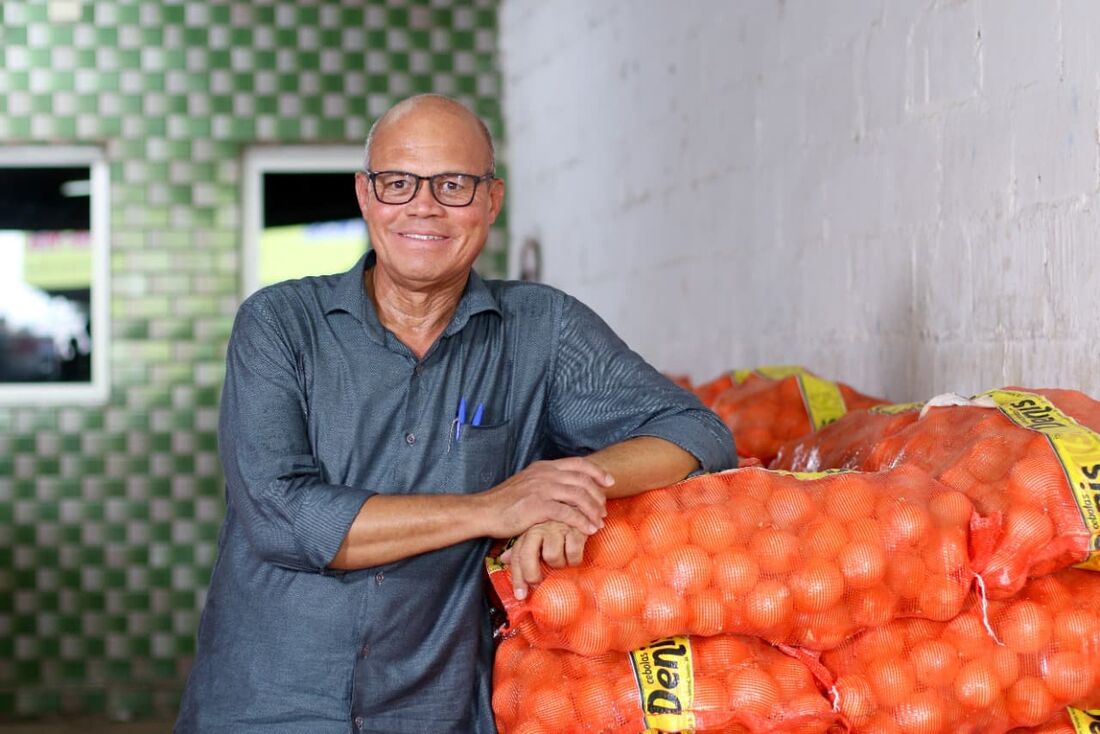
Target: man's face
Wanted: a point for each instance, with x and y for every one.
(423, 245)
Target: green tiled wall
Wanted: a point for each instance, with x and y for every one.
(108, 515)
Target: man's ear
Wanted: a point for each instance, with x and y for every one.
(362, 191)
(496, 198)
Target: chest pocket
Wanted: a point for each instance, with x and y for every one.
(481, 457)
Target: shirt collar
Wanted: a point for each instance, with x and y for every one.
(350, 296)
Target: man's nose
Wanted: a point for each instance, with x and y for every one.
(424, 203)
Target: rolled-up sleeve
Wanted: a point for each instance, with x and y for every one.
(273, 483)
(603, 393)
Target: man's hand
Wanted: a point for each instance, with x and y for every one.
(569, 491)
(553, 542)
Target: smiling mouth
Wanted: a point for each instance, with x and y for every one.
(423, 237)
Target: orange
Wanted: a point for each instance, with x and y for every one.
(665, 613)
(942, 598)
(753, 694)
(951, 509)
(1073, 629)
(749, 513)
(967, 635)
(711, 698)
(659, 533)
(989, 459)
(721, 653)
(935, 662)
(1029, 702)
(594, 702)
(922, 713)
(856, 699)
(556, 602)
(538, 666)
(863, 564)
(865, 529)
(1006, 664)
(612, 546)
(508, 657)
(872, 607)
(707, 613)
(905, 574)
(590, 635)
(735, 572)
(506, 694)
(686, 568)
(713, 528)
(976, 685)
(790, 507)
(946, 553)
(816, 586)
(631, 633)
(1027, 527)
(823, 630)
(769, 608)
(904, 524)
(892, 679)
(1037, 478)
(823, 538)
(1025, 627)
(619, 595)
(1069, 675)
(886, 642)
(550, 705)
(791, 676)
(849, 497)
(775, 551)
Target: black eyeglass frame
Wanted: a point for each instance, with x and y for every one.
(372, 176)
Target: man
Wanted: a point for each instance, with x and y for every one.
(379, 427)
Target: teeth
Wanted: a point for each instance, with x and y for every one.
(426, 237)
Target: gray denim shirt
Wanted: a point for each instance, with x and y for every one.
(322, 408)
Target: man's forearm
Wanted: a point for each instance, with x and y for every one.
(643, 463)
(391, 527)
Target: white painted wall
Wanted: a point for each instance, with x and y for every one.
(902, 194)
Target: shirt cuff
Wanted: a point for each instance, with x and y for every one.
(323, 520)
(699, 432)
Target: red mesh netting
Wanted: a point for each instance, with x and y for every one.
(925, 677)
(1013, 474)
(805, 562)
(737, 684)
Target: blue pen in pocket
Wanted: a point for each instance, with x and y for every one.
(460, 419)
(477, 415)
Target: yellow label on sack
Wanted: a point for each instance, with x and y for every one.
(493, 564)
(1077, 448)
(823, 401)
(771, 371)
(821, 398)
(1084, 722)
(896, 408)
(664, 670)
(804, 475)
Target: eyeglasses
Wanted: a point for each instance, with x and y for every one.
(449, 189)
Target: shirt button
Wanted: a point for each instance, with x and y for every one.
(410, 439)
(379, 578)
(419, 370)
(365, 651)
(358, 722)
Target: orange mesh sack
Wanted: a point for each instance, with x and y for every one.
(850, 442)
(800, 561)
(1070, 721)
(767, 407)
(946, 677)
(1029, 459)
(727, 684)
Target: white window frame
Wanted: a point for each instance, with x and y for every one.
(97, 390)
(282, 159)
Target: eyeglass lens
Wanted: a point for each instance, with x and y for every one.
(449, 189)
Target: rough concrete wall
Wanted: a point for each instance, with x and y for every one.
(900, 194)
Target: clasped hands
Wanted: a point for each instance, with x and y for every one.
(552, 506)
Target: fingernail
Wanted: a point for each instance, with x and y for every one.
(608, 479)
(521, 594)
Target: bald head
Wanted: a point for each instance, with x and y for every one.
(442, 108)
